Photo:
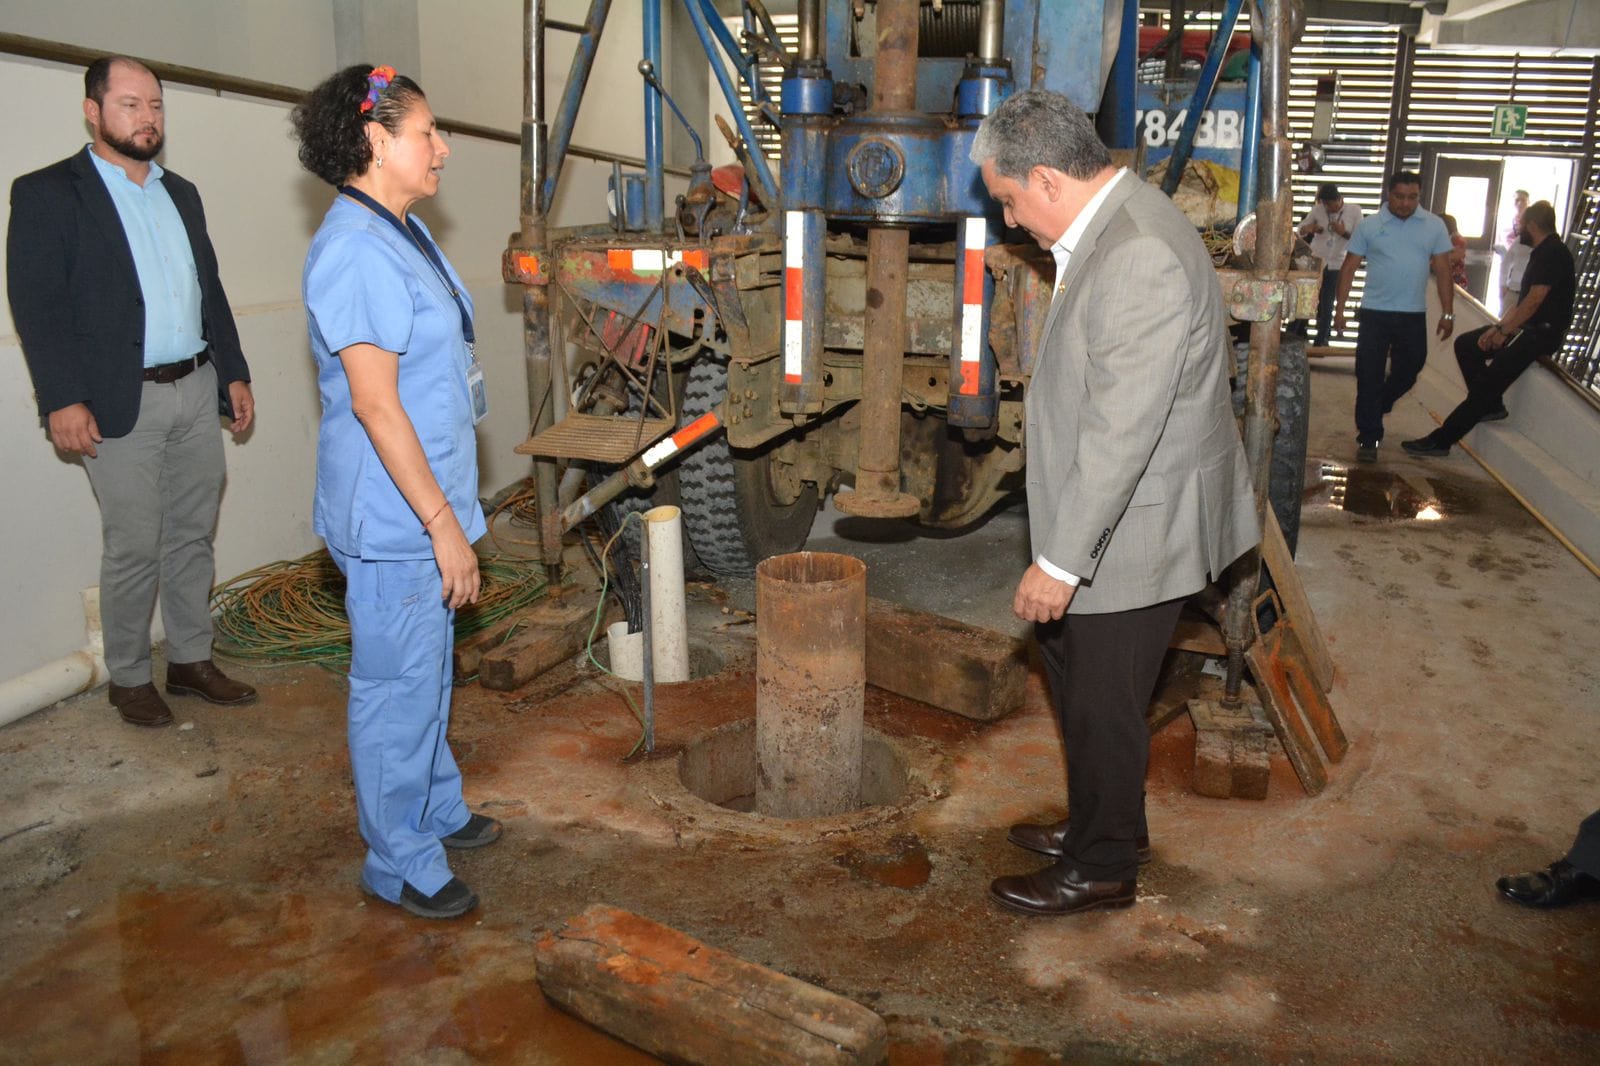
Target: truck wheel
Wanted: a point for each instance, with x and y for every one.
(1286, 485)
(733, 517)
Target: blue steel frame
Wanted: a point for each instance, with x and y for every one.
(1202, 95)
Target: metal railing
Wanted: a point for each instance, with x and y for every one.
(76, 55)
(1579, 358)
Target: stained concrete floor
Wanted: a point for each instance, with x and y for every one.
(188, 894)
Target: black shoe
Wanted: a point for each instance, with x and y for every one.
(1058, 890)
(451, 901)
(1558, 885)
(480, 831)
(1046, 839)
(140, 705)
(1426, 446)
(1366, 453)
(1499, 414)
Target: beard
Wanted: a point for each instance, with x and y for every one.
(133, 149)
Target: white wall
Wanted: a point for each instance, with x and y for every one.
(262, 210)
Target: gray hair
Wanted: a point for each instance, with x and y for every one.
(1039, 128)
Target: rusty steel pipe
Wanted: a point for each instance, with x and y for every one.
(538, 346)
(811, 678)
(1279, 24)
(878, 495)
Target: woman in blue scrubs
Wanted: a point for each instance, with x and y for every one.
(397, 472)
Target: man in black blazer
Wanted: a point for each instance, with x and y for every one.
(132, 349)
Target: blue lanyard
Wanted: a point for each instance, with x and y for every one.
(429, 250)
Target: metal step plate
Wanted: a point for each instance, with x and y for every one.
(599, 438)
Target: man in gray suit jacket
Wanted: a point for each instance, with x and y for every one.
(1138, 490)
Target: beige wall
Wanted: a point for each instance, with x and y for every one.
(262, 210)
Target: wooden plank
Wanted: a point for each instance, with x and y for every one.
(1201, 635)
(1292, 594)
(556, 630)
(469, 652)
(967, 670)
(685, 1001)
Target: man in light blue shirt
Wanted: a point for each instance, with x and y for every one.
(1402, 244)
(133, 352)
(161, 257)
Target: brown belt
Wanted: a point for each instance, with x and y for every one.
(167, 373)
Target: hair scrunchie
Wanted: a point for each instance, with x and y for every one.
(377, 81)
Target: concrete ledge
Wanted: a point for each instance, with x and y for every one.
(1548, 450)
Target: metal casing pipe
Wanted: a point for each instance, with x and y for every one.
(811, 670)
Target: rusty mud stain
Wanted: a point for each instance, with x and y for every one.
(904, 865)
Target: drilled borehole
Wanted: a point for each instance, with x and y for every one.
(720, 768)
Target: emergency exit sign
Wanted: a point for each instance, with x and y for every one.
(1510, 120)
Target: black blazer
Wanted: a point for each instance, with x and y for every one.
(76, 300)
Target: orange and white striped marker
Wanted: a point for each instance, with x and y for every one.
(655, 260)
(975, 237)
(794, 258)
(667, 447)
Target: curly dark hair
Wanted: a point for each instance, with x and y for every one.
(332, 128)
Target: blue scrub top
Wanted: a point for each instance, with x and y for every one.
(366, 283)
(1399, 252)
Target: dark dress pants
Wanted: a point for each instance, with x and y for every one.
(1488, 375)
(1102, 670)
(1325, 298)
(1585, 853)
(1390, 352)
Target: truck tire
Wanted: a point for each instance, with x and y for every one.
(729, 511)
(1286, 486)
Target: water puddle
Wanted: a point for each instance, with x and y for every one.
(1380, 492)
(904, 865)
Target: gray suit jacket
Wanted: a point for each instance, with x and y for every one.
(1137, 481)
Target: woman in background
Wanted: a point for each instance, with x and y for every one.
(397, 473)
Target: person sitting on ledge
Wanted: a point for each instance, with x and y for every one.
(1493, 357)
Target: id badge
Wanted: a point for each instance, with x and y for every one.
(478, 393)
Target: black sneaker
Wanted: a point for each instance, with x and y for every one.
(1366, 453)
(1426, 446)
(1499, 414)
(480, 831)
(451, 901)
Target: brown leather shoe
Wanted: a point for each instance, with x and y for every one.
(203, 679)
(141, 705)
(1058, 890)
(1046, 839)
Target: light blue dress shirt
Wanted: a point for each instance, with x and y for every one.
(1398, 253)
(366, 283)
(164, 260)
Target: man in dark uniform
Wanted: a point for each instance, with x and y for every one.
(132, 349)
(1493, 357)
(1574, 879)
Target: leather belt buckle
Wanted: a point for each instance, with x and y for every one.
(167, 373)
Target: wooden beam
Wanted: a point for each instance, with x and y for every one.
(967, 670)
(682, 1000)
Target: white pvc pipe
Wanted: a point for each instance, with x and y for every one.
(669, 625)
(67, 676)
(626, 651)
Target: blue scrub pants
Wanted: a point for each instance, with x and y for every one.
(408, 789)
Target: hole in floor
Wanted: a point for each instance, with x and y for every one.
(720, 768)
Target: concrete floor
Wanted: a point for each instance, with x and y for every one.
(188, 894)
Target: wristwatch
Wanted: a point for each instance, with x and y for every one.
(1448, 317)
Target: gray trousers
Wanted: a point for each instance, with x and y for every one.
(159, 488)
